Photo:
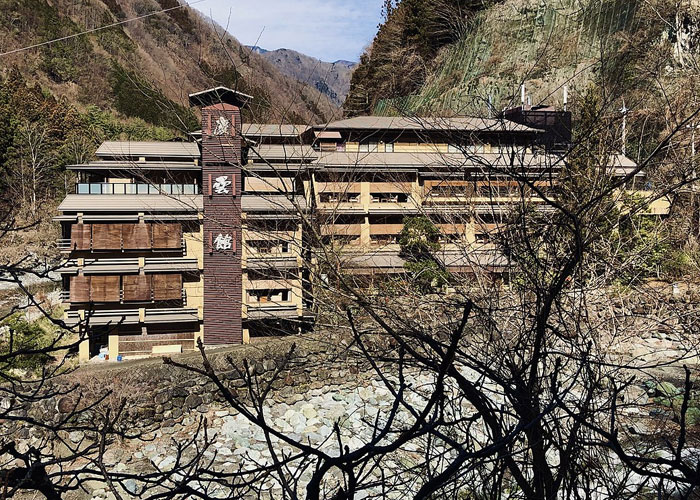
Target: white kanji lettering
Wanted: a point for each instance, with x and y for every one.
(223, 242)
(221, 185)
(222, 126)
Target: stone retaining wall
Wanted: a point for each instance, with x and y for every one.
(157, 395)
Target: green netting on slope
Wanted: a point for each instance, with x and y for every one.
(545, 43)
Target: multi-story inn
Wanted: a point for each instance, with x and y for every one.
(168, 243)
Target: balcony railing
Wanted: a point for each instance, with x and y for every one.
(115, 188)
(65, 245)
(64, 296)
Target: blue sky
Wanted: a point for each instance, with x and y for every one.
(326, 29)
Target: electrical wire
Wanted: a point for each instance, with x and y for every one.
(68, 37)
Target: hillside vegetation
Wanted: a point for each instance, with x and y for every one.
(161, 58)
(454, 56)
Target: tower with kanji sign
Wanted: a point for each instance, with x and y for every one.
(222, 145)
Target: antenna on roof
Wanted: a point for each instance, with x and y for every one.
(566, 96)
(522, 94)
(624, 110)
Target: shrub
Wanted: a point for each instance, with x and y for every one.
(21, 335)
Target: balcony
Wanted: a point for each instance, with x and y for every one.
(131, 317)
(118, 188)
(269, 310)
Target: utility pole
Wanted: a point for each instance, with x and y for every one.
(624, 110)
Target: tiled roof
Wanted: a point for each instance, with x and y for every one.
(136, 149)
(457, 124)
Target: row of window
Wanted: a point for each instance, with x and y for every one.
(390, 147)
(119, 188)
(355, 198)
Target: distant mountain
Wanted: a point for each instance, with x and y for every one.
(331, 79)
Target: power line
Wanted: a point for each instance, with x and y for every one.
(49, 42)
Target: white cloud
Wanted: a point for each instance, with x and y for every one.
(327, 29)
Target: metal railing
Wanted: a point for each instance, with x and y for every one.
(117, 188)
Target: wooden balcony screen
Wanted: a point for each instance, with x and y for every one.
(136, 236)
(390, 187)
(392, 229)
(104, 288)
(106, 236)
(137, 288)
(269, 184)
(338, 187)
(80, 235)
(167, 236)
(167, 286)
(451, 228)
(80, 289)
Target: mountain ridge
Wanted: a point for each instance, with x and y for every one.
(330, 78)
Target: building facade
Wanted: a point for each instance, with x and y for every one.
(168, 244)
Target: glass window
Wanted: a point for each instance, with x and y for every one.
(142, 188)
(118, 188)
(451, 148)
(95, 188)
(130, 188)
(166, 188)
(153, 189)
(189, 189)
(176, 188)
(364, 147)
(389, 147)
(83, 189)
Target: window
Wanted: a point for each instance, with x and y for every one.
(389, 147)
(339, 198)
(451, 148)
(266, 296)
(369, 147)
(340, 147)
(389, 197)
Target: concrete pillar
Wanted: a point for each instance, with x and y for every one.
(84, 351)
(365, 238)
(113, 347)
